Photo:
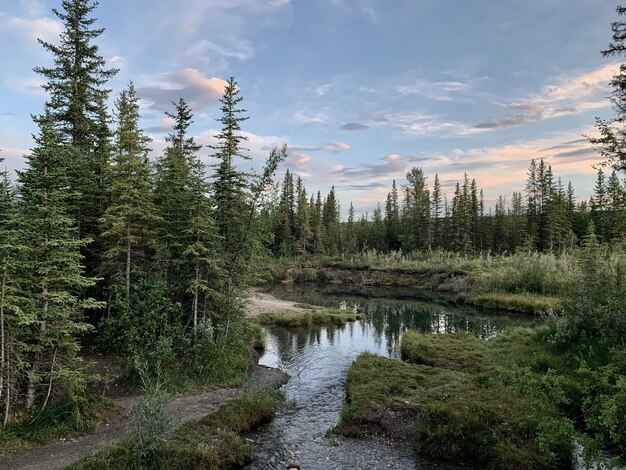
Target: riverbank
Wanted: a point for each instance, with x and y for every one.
(513, 401)
(35, 447)
(532, 283)
(180, 410)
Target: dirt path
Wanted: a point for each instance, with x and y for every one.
(182, 409)
(261, 302)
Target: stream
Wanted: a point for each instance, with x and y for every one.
(317, 359)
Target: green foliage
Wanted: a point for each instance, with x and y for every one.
(128, 223)
(139, 319)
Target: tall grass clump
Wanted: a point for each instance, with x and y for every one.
(529, 272)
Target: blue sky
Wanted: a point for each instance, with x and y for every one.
(361, 90)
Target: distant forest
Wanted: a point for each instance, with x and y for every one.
(545, 216)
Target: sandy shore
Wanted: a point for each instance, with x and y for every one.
(261, 302)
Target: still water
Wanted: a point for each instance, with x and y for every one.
(318, 357)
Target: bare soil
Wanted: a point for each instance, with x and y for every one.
(261, 302)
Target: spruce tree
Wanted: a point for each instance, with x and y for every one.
(612, 140)
(436, 213)
(77, 96)
(52, 248)
(303, 221)
(230, 186)
(129, 223)
(351, 232)
(14, 327)
(331, 222)
(174, 196)
(416, 211)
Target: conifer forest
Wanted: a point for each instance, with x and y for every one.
(133, 277)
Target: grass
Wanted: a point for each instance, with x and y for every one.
(527, 282)
(55, 422)
(257, 336)
(213, 442)
(461, 351)
(495, 404)
(308, 318)
(523, 303)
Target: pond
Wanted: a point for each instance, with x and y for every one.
(318, 357)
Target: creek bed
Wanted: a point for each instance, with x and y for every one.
(317, 358)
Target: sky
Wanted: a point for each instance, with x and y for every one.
(360, 90)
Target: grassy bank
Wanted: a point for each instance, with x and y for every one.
(307, 318)
(526, 282)
(213, 442)
(514, 401)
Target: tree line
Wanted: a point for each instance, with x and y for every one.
(545, 216)
(100, 245)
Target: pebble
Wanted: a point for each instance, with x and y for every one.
(295, 465)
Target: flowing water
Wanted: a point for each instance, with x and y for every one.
(318, 357)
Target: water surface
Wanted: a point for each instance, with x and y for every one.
(318, 357)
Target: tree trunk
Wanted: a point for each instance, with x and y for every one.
(3, 369)
(196, 292)
(128, 259)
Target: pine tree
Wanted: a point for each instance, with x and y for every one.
(303, 221)
(203, 275)
(318, 224)
(532, 208)
(331, 221)
(416, 211)
(612, 140)
(230, 186)
(14, 329)
(436, 213)
(174, 196)
(392, 220)
(129, 222)
(599, 204)
(56, 274)
(351, 232)
(285, 236)
(77, 96)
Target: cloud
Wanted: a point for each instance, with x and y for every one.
(164, 126)
(199, 91)
(440, 91)
(353, 126)
(419, 124)
(365, 7)
(392, 166)
(330, 147)
(238, 49)
(302, 117)
(30, 85)
(564, 96)
(363, 187)
(31, 29)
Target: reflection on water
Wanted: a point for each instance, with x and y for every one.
(317, 358)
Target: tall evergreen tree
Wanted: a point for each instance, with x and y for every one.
(56, 273)
(436, 213)
(77, 96)
(303, 221)
(612, 140)
(392, 219)
(174, 196)
(130, 221)
(230, 186)
(416, 211)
